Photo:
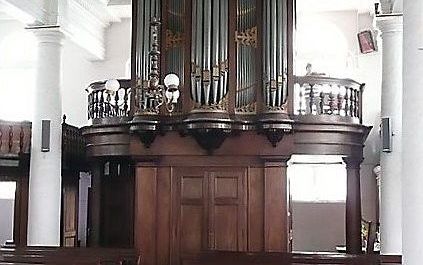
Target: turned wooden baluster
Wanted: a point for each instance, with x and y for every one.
(340, 99)
(321, 103)
(21, 140)
(10, 138)
(96, 105)
(301, 98)
(356, 102)
(352, 100)
(1, 139)
(116, 104)
(89, 105)
(107, 107)
(331, 101)
(347, 100)
(311, 95)
(101, 103)
(125, 102)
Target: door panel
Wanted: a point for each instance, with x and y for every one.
(210, 210)
(70, 213)
(227, 218)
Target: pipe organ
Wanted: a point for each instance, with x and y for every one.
(233, 60)
(230, 114)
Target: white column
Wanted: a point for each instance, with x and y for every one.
(390, 207)
(412, 117)
(45, 169)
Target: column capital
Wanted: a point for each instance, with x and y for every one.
(276, 161)
(390, 24)
(352, 162)
(48, 34)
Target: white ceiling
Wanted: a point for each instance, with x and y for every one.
(312, 6)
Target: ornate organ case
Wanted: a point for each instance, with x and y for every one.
(211, 175)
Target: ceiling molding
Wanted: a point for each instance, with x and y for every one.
(82, 21)
(85, 23)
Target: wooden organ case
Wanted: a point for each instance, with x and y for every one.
(211, 174)
(228, 191)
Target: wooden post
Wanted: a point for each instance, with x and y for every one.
(353, 205)
(95, 205)
(145, 223)
(276, 227)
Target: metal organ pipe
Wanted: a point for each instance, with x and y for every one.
(246, 38)
(209, 51)
(274, 76)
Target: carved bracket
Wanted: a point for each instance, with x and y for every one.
(275, 135)
(275, 126)
(210, 139)
(146, 129)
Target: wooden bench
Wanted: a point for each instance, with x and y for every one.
(68, 256)
(239, 258)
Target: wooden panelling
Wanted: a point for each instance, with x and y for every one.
(117, 205)
(163, 214)
(275, 207)
(70, 213)
(145, 225)
(185, 210)
(189, 198)
(227, 214)
(255, 210)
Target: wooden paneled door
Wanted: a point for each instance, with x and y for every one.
(70, 213)
(209, 211)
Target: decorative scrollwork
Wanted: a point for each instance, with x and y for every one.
(247, 37)
(249, 108)
(173, 39)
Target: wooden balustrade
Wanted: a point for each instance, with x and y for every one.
(15, 138)
(319, 95)
(103, 103)
(71, 256)
(73, 145)
(313, 95)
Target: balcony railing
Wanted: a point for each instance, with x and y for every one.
(103, 103)
(313, 96)
(15, 138)
(319, 95)
(73, 146)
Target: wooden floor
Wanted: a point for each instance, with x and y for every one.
(99, 256)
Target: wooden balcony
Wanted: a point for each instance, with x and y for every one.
(314, 97)
(328, 99)
(15, 143)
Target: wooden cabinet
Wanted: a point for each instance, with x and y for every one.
(209, 209)
(184, 210)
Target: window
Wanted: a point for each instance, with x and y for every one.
(7, 190)
(318, 181)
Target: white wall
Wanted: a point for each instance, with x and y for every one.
(6, 220)
(78, 72)
(365, 68)
(318, 226)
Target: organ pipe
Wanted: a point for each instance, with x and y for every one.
(275, 54)
(209, 52)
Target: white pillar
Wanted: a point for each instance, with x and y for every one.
(45, 169)
(412, 117)
(390, 207)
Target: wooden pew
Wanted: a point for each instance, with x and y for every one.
(68, 256)
(238, 258)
